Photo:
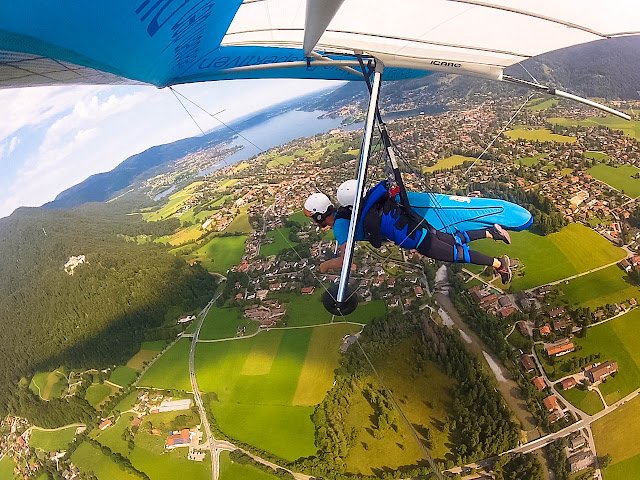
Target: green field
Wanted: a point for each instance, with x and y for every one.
(266, 385)
(123, 376)
(596, 289)
(539, 104)
(183, 236)
(613, 340)
(6, 468)
(620, 178)
(594, 155)
(224, 323)
(588, 402)
(221, 253)
(279, 242)
(553, 257)
(618, 434)
(299, 218)
(240, 224)
(175, 202)
(156, 345)
(141, 359)
(48, 384)
(229, 470)
(538, 135)
(52, 441)
(308, 310)
(128, 401)
(425, 398)
(449, 162)
(229, 182)
(280, 160)
(90, 459)
(98, 392)
(630, 128)
(171, 370)
(531, 161)
(149, 454)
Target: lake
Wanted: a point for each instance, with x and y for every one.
(275, 131)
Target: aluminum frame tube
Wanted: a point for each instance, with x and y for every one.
(362, 177)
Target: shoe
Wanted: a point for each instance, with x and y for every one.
(499, 233)
(504, 270)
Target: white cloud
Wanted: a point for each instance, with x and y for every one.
(92, 129)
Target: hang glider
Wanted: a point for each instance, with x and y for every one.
(168, 42)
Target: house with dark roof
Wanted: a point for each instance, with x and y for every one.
(580, 461)
(527, 363)
(598, 373)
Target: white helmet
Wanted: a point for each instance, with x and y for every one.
(347, 193)
(319, 205)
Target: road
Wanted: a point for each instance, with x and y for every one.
(562, 280)
(585, 422)
(478, 277)
(213, 450)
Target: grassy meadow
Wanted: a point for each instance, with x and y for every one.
(574, 249)
(229, 470)
(97, 393)
(183, 236)
(613, 340)
(48, 385)
(629, 128)
(224, 323)
(620, 178)
(91, 459)
(531, 161)
(305, 310)
(618, 434)
(279, 242)
(587, 401)
(6, 468)
(138, 361)
(171, 371)
(425, 399)
(538, 135)
(240, 224)
(539, 104)
(52, 441)
(595, 155)
(123, 376)
(449, 162)
(221, 253)
(266, 386)
(596, 289)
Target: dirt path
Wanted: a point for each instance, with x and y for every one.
(505, 382)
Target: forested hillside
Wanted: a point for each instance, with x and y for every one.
(99, 315)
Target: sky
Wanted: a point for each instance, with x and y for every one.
(52, 138)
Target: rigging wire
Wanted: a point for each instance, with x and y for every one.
(187, 110)
(500, 132)
(214, 116)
